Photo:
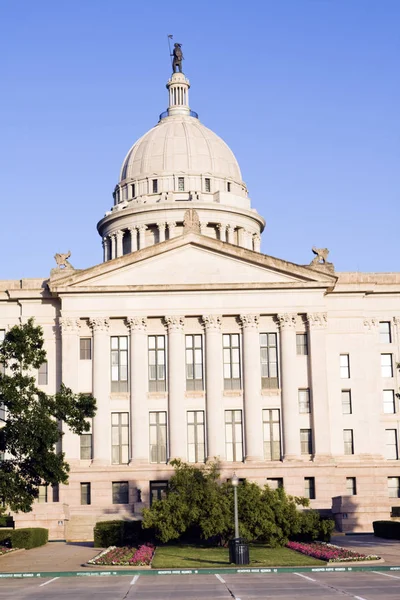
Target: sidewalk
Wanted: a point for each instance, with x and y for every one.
(54, 556)
(389, 550)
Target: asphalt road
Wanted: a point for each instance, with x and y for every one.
(282, 586)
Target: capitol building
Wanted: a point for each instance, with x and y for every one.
(197, 346)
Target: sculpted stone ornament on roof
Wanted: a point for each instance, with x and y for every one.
(63, 264)
(320, 259)
(191, 221)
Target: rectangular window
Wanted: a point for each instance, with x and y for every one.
(389, 406)
(272, 434)
(158, 437)
(119, 363)
(43, 374)
(155, 186)
(133, 190)
(351, 486)
(231, 348)
(157, 369)
(85, 493)
(120, 492)
(158, 490)
(207, 184)
(55, 489)
(85, 348)
(306, 441)
(269, 360)
(125, 192)
(309, 488)
(346, 402)
(394, 487)
(120, 438)
(194, 362)
(233, 435)
(228, 186)
(304, 401)
(195, 433)
(301, 344)
(275, 483)
(348, 441)
(86, 446)
(181, 184)
(42, 498)
(391, 444)
(387, 365)
(385, 335)
(344, 366)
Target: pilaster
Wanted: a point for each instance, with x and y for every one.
(139, 419)
(176, 386)
(70, 327)
(101, 390)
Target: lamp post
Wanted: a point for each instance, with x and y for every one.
(235, 483)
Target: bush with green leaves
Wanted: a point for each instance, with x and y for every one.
(199, 505)
(28, 537)
(120, 533)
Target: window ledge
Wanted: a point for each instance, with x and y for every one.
(233, 393)
(157, 395)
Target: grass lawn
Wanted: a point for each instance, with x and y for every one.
(186, 556)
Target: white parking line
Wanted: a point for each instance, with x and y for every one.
(50, 580)
(386, 574)
(304, 576)
(220, 578)
(134, 580)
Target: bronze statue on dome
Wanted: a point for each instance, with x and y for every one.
(177, 58)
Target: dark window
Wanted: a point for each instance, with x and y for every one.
(86, 446)
(155, 186)
(55, 490)
(181, 184)
(120, 492)
(85, 493)
(228, 186)
(351, 486)
(85, 348)
(133, 190)
(309, 488)
(43, 374)
(158, 490)
(207, 184)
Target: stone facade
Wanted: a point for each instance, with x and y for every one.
(198, 346)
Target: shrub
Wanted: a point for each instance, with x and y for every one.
(387, 529)
(313, 527)
(120, 533)
(6, 522)
(29, 537)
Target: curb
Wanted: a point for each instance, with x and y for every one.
(227, 571)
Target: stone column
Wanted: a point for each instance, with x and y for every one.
(139, 420)
(142, 233)
(119, 235)
(214, 387)
(241, 237)
(290, 404)
(248, 240)
(256, 243)
(251, 388)
(317, 323)
(134, 244)
(113, 242)
(101, 390)
(161, 231)
(105, 249)
(222, 232)
(171, 229)
(230, 234)
(203, 227)
(176, 387)
(70, 327)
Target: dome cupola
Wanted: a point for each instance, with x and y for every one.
(178, 164)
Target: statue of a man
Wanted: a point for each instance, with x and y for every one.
(177, 58)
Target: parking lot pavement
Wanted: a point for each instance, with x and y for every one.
(369, 544)
(283, 586)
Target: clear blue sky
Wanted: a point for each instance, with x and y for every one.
(305, 92)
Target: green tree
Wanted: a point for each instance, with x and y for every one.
(30, 431)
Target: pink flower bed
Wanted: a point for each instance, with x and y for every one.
(329, 552)
(125, 556)
(5, 550)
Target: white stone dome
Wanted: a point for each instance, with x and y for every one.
(180, 144)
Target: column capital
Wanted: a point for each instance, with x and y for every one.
(69, 324)
(99, 323)
(317, 320)
(287, 321)
(136, 323)
(113, 235)
(396, 321)
(119, 234)
(212, 322)
(132, 229)
(371, 324)
(161, 224)
(142, 228)
(249, 321)
(174, 323)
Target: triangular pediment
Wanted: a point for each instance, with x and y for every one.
(192, 260)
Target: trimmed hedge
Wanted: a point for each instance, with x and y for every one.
(29, 537)
(387, 529)
(120, 533)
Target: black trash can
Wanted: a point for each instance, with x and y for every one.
(239, 551)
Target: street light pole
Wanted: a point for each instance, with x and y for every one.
(235, 483)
